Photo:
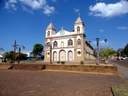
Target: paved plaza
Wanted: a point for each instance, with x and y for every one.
(47, 83)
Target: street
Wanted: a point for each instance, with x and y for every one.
(122, 68)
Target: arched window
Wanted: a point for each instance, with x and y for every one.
(79, 42)
(48, 34)
(54, 44)
(54, 56)
(78, 29)
(70, 42)
(62, 44)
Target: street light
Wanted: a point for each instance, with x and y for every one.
(1, 49)
(50, 45)
(19, 52)
(98, 49)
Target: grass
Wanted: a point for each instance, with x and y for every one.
(120, 90)
(98, 65)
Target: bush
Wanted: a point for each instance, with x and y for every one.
(58, 62)
(33, 59)
(62, 62)
(81, 62)
(11, 61)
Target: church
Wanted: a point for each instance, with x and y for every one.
(67, 46)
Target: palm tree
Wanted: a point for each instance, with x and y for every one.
(107, 53)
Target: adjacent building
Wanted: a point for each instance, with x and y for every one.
(67, 46)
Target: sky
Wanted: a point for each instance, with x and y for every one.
(26, 21)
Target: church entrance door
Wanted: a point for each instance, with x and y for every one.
(70, 56)
(62, 55)
(55, 56)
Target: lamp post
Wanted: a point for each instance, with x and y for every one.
(19, 53)
(98, 51)
(1, 49)
(98, 48)
(50, 45)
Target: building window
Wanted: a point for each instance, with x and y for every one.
(62, 44)
(70, 42)
(48, 33)
(78, 29)
(48, 53)
(54, 44)
(79, 42)
(79, 52)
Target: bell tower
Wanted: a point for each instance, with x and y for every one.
(79, 40)
(50, 30)
(79, 26)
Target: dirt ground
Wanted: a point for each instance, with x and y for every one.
(48, 83)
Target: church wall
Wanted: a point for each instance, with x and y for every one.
(78, 51)
(66, 51)
(65, 41)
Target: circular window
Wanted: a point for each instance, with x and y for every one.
(79, 52)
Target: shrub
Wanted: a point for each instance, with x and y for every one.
(62, 62)
(81, 62)
(33, 59)
(58, 61)
(11, 61)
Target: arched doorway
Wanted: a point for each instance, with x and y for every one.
(62, 55)
(70, 56)
(54, 56)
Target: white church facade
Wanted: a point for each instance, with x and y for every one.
(67, 46)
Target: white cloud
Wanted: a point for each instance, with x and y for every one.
(101, 43)
(109, 10)
(101, 30)
(32, 4)
(11, 4)
(99, 0)
(54, 0)
(122, 28)
(76, 10)
(48, 10)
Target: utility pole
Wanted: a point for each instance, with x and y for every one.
(14, 55)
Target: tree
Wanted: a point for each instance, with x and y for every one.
(22, 56)
(37, 50)
(107, 53)
(120, 52)
(125, 51)
(9, 55)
